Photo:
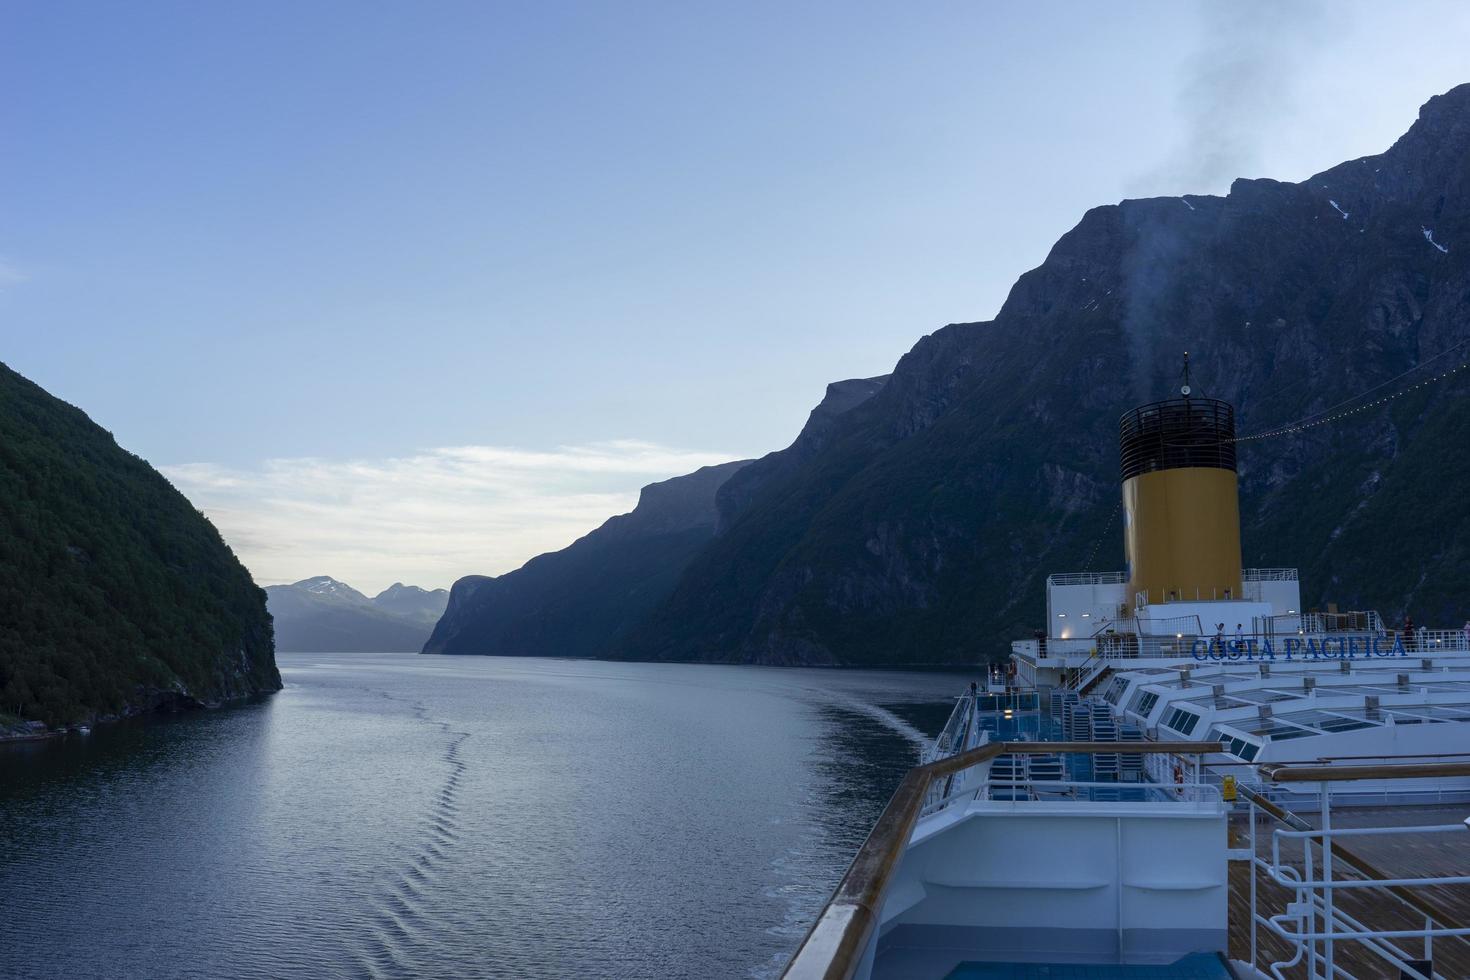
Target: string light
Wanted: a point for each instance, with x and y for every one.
(1101, 534)
(1311, 422)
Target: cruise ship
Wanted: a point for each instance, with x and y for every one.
(1186, 774)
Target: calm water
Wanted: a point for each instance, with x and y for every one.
(404, 816)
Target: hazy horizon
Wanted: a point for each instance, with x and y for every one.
(395, 293)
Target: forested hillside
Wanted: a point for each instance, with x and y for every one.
(116, 595)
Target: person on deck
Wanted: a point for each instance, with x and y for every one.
(1408, 632)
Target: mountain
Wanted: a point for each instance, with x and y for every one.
(116, 595)
(412, 602)
(840, 398)
(579, 601)
(323, 615)
(921, 528)
(327, 588)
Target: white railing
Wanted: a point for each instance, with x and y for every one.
(1268, 575)
(1049, 790)
(1086, 578)
(1428, 641)
(1164, 625)
(1349, 645)
(1313, 923)
(952, 737)
(1362, 645)
(953, 786)
(1359, 621)
(1099, 792)
(1118, 578)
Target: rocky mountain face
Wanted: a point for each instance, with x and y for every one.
(116, 595)
(921, 525)
(740, 490)
(323, 615)
(580, 601)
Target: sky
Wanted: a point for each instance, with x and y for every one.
(404, 292)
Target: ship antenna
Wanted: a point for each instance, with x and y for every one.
(1184, 389)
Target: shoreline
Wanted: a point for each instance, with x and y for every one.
(175, 705)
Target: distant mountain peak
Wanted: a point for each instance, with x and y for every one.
(399, 589)
(325, 585)
(322, 614)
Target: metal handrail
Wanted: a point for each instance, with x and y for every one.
(833, 948)
(1086, 578)
(945, 744)
(1268, 575)
(1423, 904)
(1286, 772)
(1091, 667)
(1306, 885)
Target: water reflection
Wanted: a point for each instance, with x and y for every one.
(463, 817)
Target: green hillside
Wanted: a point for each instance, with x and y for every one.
(116, 595)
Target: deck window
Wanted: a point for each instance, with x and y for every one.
(1143, 703)
(1182, 721)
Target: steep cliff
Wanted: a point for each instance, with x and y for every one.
(923, 527)
(738, 492)
(116, 595)
(579, 601)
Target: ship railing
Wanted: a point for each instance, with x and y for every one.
(951, 738)
(1268, 575)
(1428, 641)
(1314, 926)
(1191, 644)
(841, 938)
(1354, 621)
(967, 729)
(955, 784)
(1086, 578)
(1036, 790)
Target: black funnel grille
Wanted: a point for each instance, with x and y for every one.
(1173, 434)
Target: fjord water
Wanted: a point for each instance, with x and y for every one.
(406, 816)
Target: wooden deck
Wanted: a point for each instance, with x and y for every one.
(1407, 857)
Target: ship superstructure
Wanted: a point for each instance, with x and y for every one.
(1149, 788)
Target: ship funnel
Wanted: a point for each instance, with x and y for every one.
(1181, 510)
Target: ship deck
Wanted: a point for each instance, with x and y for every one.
(1407, 856)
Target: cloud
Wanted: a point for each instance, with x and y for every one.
(427, 518)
